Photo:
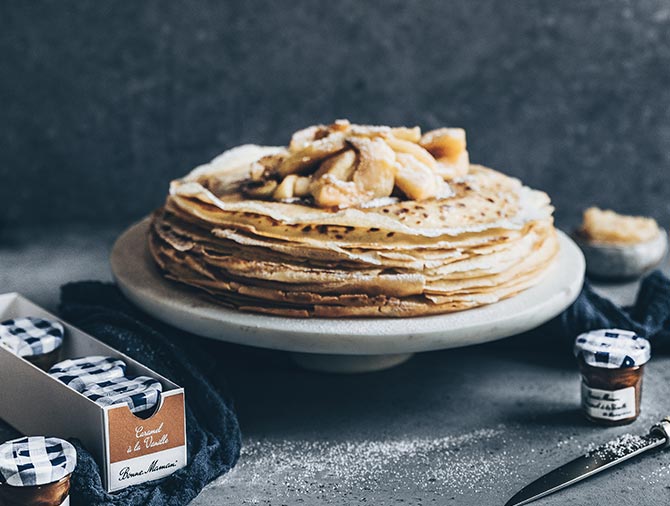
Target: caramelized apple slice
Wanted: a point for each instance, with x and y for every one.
(329, 191)
(311, 154)
(448, 170)
(414, 178)
(302, 138)
(374, 173)
(407, 134)
(340, 166)
(301, 186)
(263, 168)
(285, 189)
(445, 143)
(411, 148)
(340, 125)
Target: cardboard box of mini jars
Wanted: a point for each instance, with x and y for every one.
(129, 449)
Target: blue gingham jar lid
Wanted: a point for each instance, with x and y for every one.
(140, 393)
(612, 348)
(36, 460)
(78, 373)
(29, 336)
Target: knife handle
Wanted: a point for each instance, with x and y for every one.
(662, 430)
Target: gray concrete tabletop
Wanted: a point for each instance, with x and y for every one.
(463, 427)
(103, 103)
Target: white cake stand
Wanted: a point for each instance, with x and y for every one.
(344, 344)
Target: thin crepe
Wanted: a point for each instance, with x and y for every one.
(488, 238)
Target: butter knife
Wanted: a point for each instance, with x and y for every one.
(595, 461)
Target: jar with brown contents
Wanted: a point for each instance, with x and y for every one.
(36, 471)
(51, 494)
(35, 339)
(612, 364)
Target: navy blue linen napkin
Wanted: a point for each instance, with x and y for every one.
(648, 317)
(213, 433)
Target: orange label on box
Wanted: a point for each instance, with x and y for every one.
(131, 437)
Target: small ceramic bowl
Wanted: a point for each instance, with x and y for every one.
(622, 261)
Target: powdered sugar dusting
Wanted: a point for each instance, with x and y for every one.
(658, 476)
(620, 447)
(450, 465)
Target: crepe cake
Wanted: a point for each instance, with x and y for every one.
(354, 221)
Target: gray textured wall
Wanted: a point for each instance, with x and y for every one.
(102, 103)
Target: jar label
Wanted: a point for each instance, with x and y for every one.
(139, 449)
(608, 404)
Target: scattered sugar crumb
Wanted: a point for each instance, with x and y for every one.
(418, 470)
(619, 447)
(446, 466)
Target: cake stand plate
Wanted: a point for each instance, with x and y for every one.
(343, 344)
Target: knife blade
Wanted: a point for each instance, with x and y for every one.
(595, 461)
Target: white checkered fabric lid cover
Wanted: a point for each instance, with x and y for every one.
(36, 460)
(612, 348)
(30, 336)
(141, 393)
(80, 372)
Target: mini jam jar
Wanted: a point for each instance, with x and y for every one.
(611, 362)
(36, 471)
(140, 394)
(36, 340)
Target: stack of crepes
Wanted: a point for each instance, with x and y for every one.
(354, 221)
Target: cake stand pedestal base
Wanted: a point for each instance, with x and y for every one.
(341, 345)
(348, 364)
